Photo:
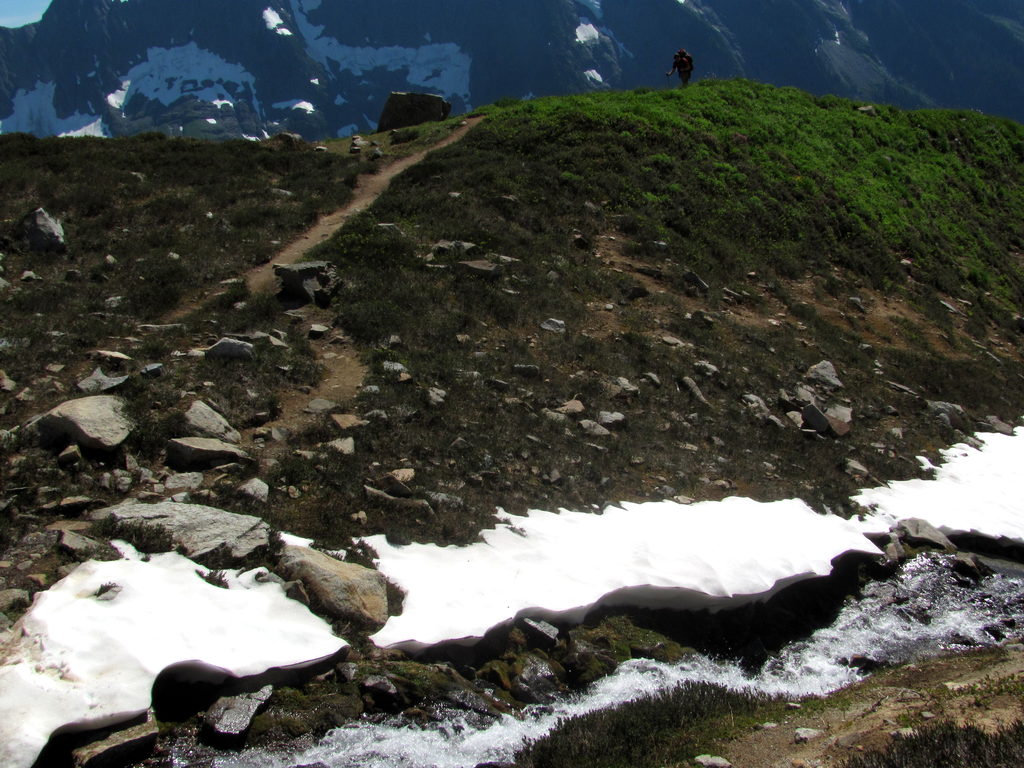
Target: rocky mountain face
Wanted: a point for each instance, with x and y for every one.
(324, 68)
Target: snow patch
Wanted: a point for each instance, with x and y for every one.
(973, 492)
(167, 74)
(90, 647)
(587, 32)
(34, 113)
(440, 67)
(295, 104)
(594, 75)
(275, 23)
(656, 554)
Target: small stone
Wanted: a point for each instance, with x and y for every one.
(255, 489)
(346, 446)
(231, 349)
(803, 735)
(553, 325)
(318, 331)
(711, 761)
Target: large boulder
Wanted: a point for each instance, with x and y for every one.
(42, 232)
(206, 422)
(405, 109)
(97, 422)
(308, 281)
(202, 452)
(206, 534)
(341, 590)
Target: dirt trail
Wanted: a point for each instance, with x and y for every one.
(343, 372)
(368, 188)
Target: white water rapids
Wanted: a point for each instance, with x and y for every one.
(925, 609)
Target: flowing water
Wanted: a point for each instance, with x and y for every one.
(924, 610)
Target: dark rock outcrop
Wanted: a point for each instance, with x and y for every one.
(405, 109)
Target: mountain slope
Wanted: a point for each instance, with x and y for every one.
(241, 68)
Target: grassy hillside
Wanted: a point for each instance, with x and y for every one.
(757, 229)
(703, 248)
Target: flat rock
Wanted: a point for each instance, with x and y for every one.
(342, 590)
(202, 452)
(231, 349)
(205, 534)
(204, 421)
(916, 531)
(124, 747)
(228, 719)
(824, 373)
(98, 422)
(98, 381)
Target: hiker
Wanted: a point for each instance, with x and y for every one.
(682, 63)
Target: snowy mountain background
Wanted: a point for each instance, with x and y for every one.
(322, 68)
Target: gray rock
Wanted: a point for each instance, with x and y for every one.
(124, 747)
(201, 453)
(256, 489)
(539, 634)
(308, 281)
(342, 590)
(537, 682)
(824, 373)
(950, 414)
(206, 534)
(153, 370)
(231, 349)
(593, 429)
(402, 110)
(98, 422)
(803, 735)
(611, 419)
(436, 396)
(228, 719)
(320, 405)
(183, 481)
(346, 446)
(83, 548)
(553, 325)
(694, 390)
(756, 404)
(42, 232)
(917, 532)
(481, 268)
(999, 425)
(712, 761)
(203, 421)
(97, 381)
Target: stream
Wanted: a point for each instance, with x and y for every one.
(924, 610)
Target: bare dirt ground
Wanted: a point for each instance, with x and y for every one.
(981, 689)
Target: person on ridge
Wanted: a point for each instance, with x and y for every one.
(682, 63)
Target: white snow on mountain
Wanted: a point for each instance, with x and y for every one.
(90, 647)
(440, 67)
(587, 32)
(275, 23)
(594, 75)
(656, 554)
(34, 113)
(167, 74)
(305, 106)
